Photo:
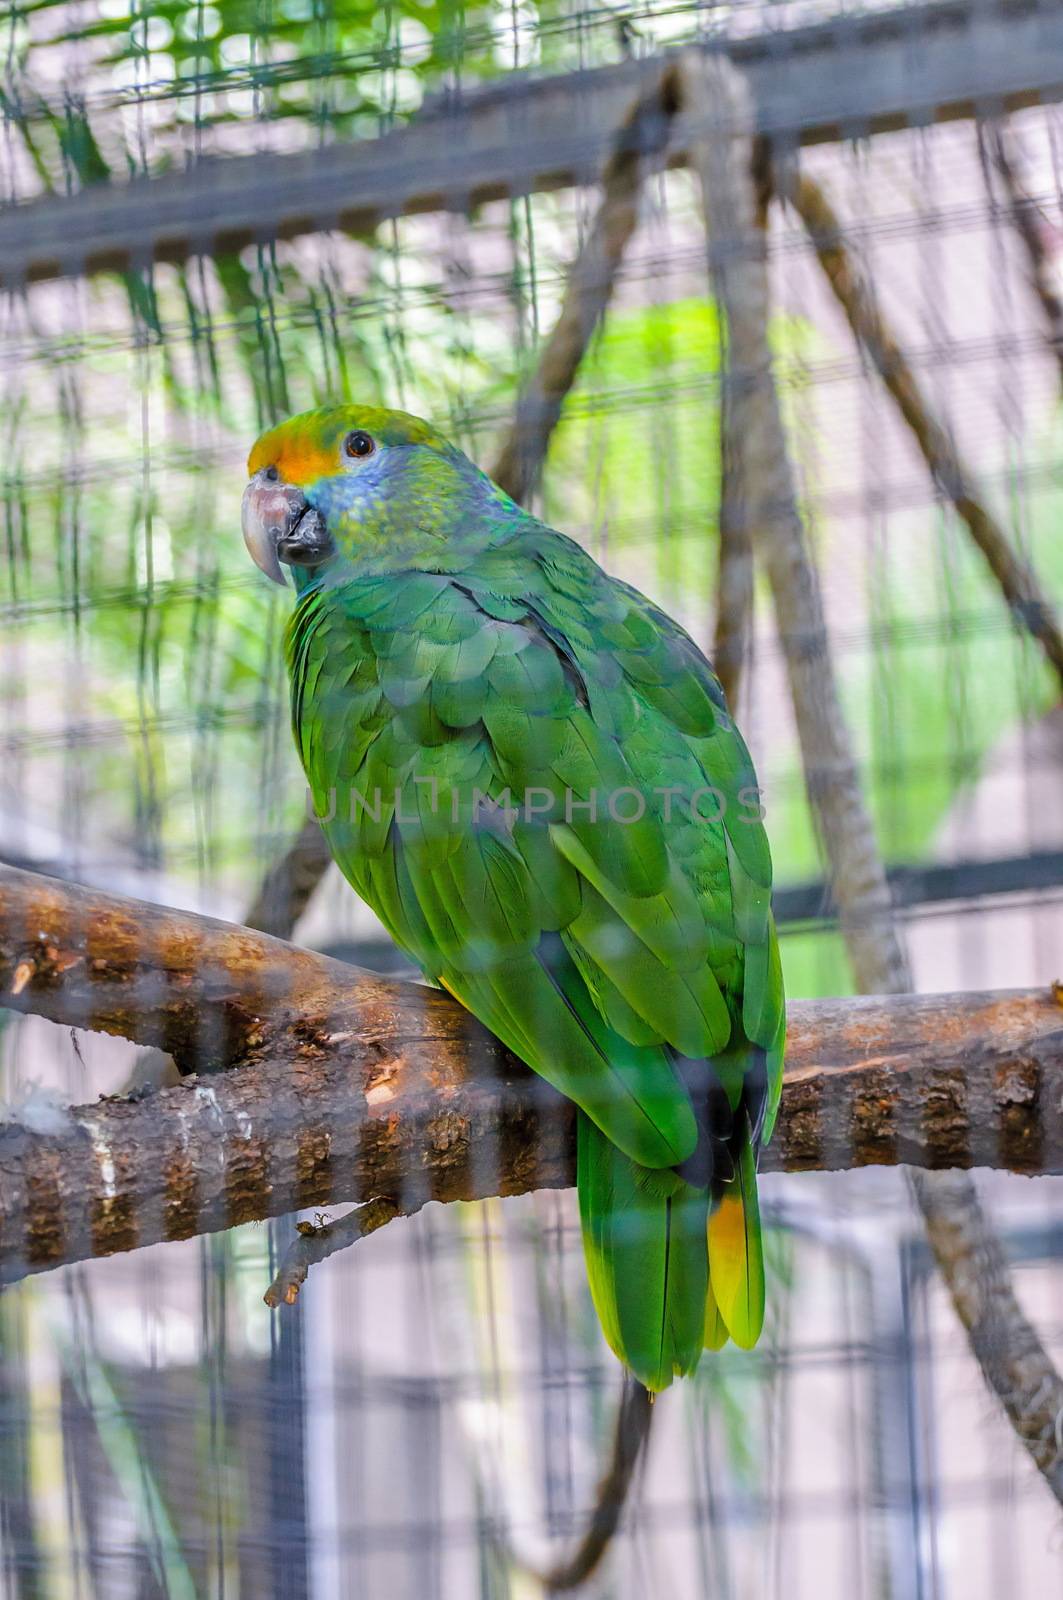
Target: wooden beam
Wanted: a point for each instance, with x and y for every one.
(853, 75)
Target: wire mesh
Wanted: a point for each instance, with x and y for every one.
(433, 1416)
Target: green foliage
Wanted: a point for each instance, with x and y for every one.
(637, 451)
(334, 65)
(636, 456)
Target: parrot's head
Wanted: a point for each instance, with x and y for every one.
(357, 489)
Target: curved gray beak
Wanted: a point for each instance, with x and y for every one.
(279, 524)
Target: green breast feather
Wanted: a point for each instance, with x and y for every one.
(531, 776)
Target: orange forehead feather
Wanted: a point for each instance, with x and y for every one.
(301, 454)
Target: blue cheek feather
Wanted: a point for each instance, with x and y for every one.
(408, 508)
(352, 493)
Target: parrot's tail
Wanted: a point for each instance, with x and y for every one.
(649, 1238)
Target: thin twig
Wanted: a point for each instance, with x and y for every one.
(317, 1241)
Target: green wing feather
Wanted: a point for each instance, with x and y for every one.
(628, 956)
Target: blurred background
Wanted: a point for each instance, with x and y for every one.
(433, 1416)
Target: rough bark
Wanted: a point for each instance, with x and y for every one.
(209, 992)
(1018, 582)
(360, 1089)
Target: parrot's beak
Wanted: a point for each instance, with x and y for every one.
(279, 524)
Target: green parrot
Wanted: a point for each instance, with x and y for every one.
(529, 773)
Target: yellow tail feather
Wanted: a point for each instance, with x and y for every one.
(736, 1257)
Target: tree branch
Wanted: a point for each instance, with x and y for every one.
(209, 992)
(286, 890)
(734, 570)
(972, 1261)
(632, 1430)
(734, 577)
(1032, 228)
(969, 1255)
(716, 105)
(641, 137)
(1018, 581)
(348, 1087)
(1013, 1360)
(317, 1241)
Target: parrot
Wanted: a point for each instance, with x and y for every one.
(528, 771)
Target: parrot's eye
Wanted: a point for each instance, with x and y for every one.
(272, 474)
(358, 444)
